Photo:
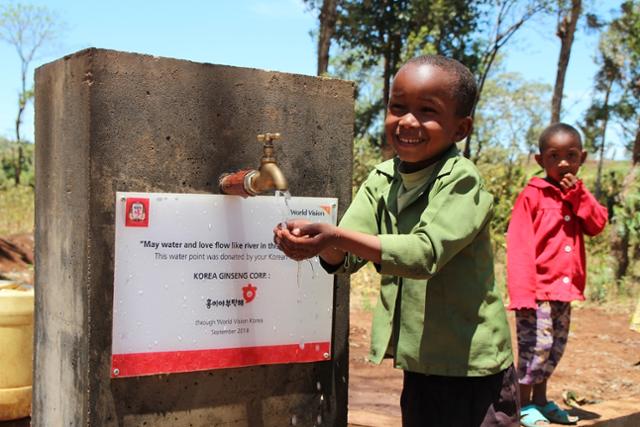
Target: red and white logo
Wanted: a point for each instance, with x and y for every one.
(249, 292)
(137, 212)
(326, 208)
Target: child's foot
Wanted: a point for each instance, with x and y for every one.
(530, 416)
(557, 415)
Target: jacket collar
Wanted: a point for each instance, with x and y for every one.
(390, 169)
(541, 183)
(447, 160)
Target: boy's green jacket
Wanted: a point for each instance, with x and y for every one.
(439, 312)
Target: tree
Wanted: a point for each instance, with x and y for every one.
(628, 109)
(618, 98)
(611, 58)
(510, 16)
(327, 15)
(28, 29)
(513, 112)
(568, 15)
(377, 37)
(626, 215)
(7, 164)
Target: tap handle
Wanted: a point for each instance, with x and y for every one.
(268, 137)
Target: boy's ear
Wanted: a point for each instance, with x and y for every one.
(538, 158)
(583, 157)
(464, 128)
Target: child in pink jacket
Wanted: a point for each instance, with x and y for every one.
(546, 265)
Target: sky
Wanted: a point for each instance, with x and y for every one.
(265, 34)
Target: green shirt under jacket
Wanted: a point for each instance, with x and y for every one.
(439, 311)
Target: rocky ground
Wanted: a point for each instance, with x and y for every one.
(16, 258)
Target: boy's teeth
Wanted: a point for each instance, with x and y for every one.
(409, 140)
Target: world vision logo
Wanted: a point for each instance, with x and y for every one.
(312, 212)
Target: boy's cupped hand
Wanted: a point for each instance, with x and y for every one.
(301, 239)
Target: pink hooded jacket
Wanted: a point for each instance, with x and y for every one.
(545, 243)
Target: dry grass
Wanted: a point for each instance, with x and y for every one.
(16, 210)
(364, 287)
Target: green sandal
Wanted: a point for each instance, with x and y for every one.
(530, 416)
(557, 415)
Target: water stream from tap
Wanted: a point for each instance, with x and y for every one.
(284, 207)
(285, 214)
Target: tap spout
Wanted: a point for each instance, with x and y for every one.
(267, 177)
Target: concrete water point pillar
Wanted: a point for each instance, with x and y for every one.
(110, 121)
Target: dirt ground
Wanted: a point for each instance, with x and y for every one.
(601, 361)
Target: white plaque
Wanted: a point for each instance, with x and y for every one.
(199, 284)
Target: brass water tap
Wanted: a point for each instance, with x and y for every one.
(251, 182)
(268, 176)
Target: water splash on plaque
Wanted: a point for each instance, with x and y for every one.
(285, 210)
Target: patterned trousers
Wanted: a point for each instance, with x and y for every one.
(542, 338)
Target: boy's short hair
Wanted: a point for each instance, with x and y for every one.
(555, 128)
(464, 87)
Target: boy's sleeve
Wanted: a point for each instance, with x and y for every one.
(456, 212)
(584, 205)
(521, 257)
(361, 215)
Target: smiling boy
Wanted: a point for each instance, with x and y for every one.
(423, 219)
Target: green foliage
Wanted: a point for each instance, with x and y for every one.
(8, 160)
(510, 117)
(384, 29)
(627, 217)
(365, 157)
(602, 259)
(504, 177)
(369, 110)
(623, 202)
(512, 113)
(617, 92)
(375, 38)
(601, 285)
